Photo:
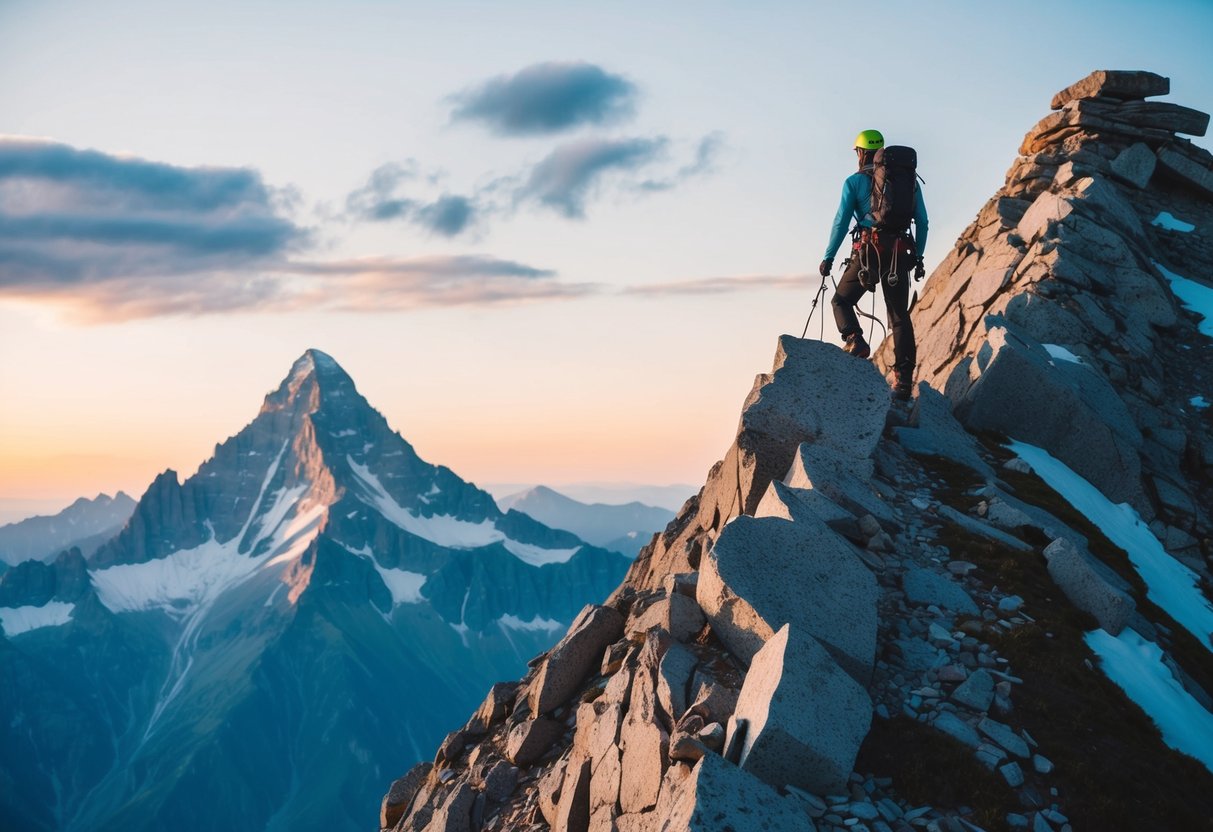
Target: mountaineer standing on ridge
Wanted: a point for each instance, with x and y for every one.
(883, 197)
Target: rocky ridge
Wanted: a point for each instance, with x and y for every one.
(874, 620)
(1074, 257)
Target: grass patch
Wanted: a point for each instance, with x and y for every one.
(929, 767)
(1113, 771)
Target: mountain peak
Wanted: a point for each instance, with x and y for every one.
(313, 375)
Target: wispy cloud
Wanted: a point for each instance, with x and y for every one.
(381, 200)
(723, 285)
(109, 238)
(571, 173)
(374, 284)
(547, 98)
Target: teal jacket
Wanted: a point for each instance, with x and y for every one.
(856, 204)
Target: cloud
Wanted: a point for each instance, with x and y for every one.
(70, 216)
(379, 200)
(108, 238)
(571, 173)
(374, 284)
(384, 284)
(547, 98)
(724, 285)
(706, 154)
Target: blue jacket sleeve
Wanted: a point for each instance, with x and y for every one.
(846, 210)
(920, 222)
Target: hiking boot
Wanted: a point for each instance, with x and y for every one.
(903, 388)
(856, 346)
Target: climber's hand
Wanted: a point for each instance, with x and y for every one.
(824, 268)
(920, 271)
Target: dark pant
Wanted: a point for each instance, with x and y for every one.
(896, 302)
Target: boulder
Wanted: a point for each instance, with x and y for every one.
(455, 813)
(1115, 83)
(842, 479)
(711, 698)
(643, 737)
(805, 717)
(922, 586)
(496, 707)
(1090, 586)
(573, 810)
(1163, 115)
(605, 775)
(673, 680)
(1180, 167)
(720, 797)
(976, 692)
(781, 500)
(530, 740)
(677, 614)
(1047, 208)
(817, 393)
(935, 432)
(982, 529)
(401, 793)
(957, 729)
(766, 572)
(1005, 737)
(569, 662)
(1135, 165)
(1013, 386)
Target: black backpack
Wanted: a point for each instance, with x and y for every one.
(894, 169)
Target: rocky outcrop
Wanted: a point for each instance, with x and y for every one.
(806, 590)
(621, 724)
(1052, 320)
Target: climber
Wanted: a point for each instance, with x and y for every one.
(882, 251)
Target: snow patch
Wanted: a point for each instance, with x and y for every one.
(1169, 583)
(405, 586)
(18, 620)
(1198, 402)
(1061, 353)
(346, 432)
(537, 555)
(1195, 296)
(1170, 223)
(535, 625)
(448, 531)
(1136, 666)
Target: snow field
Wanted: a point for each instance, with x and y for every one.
(1169, 583)
(1135, 665)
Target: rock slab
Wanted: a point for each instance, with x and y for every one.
(720, 797)
(805, 717)
(1088, 586)
(766, 572)
(570, 661)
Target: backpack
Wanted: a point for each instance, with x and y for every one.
(894, 169)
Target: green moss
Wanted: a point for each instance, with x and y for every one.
(931, 768)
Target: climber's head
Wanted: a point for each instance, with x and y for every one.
(867, 143)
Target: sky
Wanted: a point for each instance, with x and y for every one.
(551, 242)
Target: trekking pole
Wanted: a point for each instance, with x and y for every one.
(821, 290)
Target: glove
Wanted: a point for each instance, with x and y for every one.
(920, 271)
(824, 268)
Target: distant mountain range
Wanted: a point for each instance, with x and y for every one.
(620, 528)
(262, 644)
(85, 525)
(669, 497)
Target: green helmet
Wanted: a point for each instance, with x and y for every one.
(869, 140)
